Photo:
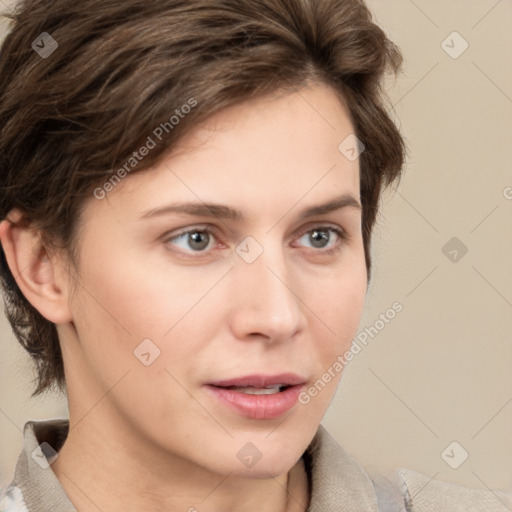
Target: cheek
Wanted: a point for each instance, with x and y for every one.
(123, 302)
(144, 299)
(121, 324)
(340, 303)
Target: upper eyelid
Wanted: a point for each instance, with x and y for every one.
(315, 225)
(208, 227)
(172, 234)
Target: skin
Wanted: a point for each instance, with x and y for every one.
(151, 437)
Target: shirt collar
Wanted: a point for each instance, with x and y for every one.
(33, 475)
(338, 482)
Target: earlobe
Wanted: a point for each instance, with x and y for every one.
(39, 276)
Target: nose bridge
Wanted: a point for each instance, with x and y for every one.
(266, 303)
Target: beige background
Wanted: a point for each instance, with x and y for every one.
(440, 371)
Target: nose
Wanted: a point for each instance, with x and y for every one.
(266, 302)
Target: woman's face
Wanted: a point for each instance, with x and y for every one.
(222, 266)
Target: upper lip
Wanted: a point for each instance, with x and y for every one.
(261, 381)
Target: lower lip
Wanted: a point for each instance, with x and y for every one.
(261, 407)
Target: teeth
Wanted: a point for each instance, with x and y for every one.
(268, 390)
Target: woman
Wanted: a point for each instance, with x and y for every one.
(189, 195)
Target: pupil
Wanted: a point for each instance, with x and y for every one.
(322, 237)
(198, 238)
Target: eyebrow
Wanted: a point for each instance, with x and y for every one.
(225, 212)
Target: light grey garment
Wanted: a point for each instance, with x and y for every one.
(405, 490)
(392, 493)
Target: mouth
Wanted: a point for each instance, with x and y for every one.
(258, 396)
(250, 390)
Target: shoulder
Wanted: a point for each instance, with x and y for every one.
(406, 490)
(339, 482)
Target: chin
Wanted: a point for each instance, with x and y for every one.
(271, 468)
(270, 454)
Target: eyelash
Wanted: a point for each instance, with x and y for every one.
(342, 235)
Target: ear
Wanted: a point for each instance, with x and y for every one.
(41, 277)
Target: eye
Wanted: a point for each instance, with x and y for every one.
(193, 240)
(200, 240)
(327, 238)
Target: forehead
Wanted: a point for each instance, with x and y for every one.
(271, 152)
(268, 126)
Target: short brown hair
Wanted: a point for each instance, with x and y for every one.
(70, 117)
